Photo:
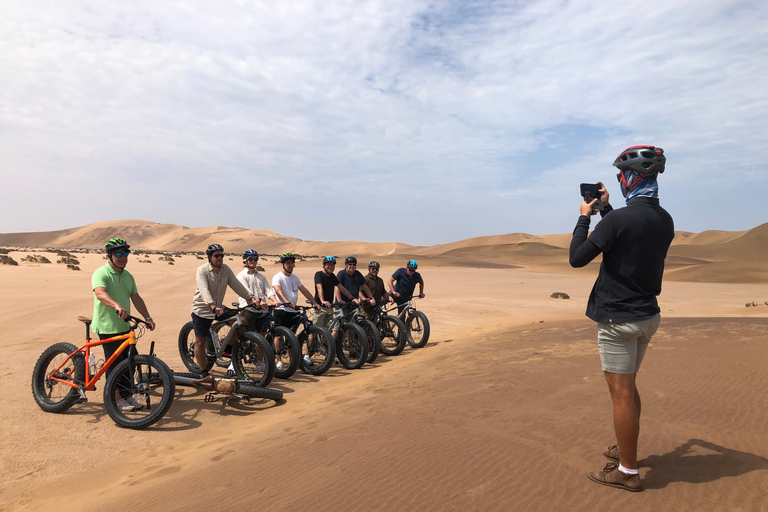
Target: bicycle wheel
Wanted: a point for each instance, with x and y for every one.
(321, 349)
(374, 340)
(149, 383)
(222, 331)
(51, 395)
(259, 392)
(351, 346)
(393, 335)
(418, 329)
(289, 352)
(187, 348)
(254, 359)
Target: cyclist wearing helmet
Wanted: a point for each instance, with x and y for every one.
(113, 291)
(377, 287)
(212, 281)
(256, 283)
(633, 242)
(403, 283)
(351, 279)
(327, 288)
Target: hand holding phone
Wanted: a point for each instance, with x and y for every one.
(591, 191)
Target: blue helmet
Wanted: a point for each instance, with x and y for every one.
(250, 253)
(329, 259)
(412, 265)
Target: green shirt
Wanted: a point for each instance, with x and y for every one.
(120, 287)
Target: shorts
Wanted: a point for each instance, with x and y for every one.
(201, 325)
(322, 317)
(622, 346)
(286, 318)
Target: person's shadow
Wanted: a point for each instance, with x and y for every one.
(684, 464)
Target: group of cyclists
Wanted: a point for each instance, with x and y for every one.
(114, 289)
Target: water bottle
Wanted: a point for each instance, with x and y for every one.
(92, 364)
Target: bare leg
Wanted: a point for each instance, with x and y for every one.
(200, 357)
(626, 415)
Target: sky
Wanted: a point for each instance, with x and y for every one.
(409, 121)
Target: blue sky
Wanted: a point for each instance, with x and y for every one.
(407, 121)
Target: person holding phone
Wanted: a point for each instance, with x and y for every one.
(633, 241)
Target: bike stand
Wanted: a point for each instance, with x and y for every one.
(211, 397)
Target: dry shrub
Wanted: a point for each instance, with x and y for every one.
(73, 267)
(7, 260)
(560, 295)
(36, 258)
(68, 261)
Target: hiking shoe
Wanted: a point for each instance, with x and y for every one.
(137, 406)
(612, 477)
(308, 361)
(261, 367)
(279, 366)
(124, 405)
(612, 453)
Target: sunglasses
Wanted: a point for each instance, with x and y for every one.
(253, 259)
(217, 256)
(121, 254)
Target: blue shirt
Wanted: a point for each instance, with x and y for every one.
(405, 285)
(351, 282)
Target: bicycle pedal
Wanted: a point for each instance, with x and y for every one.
(81, 400)
(209, 398)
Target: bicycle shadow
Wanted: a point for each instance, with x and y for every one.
(684, 465)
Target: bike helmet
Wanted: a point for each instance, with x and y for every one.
(350, 260)
(116, 244)
(374, 264)
(213, 248)
(412, 265)
(643, 160)
(329, 259)
(287, 256)
(250, 253)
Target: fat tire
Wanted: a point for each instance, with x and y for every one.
(187, 348)
(392, 328)
(290, 349)
(42, 370)
(422, 318)
(345, 358)
(374, 340)
(259, 392)
(153, 365)
(244, 357)
(330, 350)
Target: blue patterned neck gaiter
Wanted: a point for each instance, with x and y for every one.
(645, 187)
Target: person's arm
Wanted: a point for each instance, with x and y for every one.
(342, 289)
(421, 288)
(142, 308)
(266, 290)
(107, 300)
(392, 286)
(237, 286)
(310, 298)
(582, 250)
(368, 293)
(279, 294)
(205, 291)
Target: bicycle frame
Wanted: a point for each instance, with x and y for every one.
(90, 381)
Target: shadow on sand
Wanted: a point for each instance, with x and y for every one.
(684, 464)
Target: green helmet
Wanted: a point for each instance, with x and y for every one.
(287, 256)
(116, 244)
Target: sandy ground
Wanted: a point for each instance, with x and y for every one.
(505, 408)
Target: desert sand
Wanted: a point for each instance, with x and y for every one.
(506, 407)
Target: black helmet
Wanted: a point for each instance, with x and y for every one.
(412, 265)
(643, 160)
(329, 259)
(350, 260)
(116, 244)
(213, 248)
(374, 264)
(250, 253)
(287, 256)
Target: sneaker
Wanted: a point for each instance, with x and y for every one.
(137, 406)
(261, 367)
(279, 366)
(308, 361)
(612, 453)
(612, 477)
(124, 405)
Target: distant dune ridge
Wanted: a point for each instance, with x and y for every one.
(709, 256)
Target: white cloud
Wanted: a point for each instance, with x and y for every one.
(450, 115)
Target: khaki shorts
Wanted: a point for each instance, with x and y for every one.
(322, 317)
(622, 346)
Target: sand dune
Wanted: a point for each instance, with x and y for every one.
(710, 256)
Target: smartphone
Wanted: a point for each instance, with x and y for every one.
(590, 191)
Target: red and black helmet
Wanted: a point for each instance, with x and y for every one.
(643, 160)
